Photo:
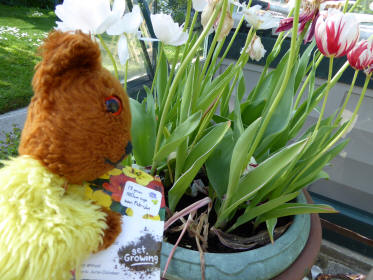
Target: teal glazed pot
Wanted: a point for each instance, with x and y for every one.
(260, 264)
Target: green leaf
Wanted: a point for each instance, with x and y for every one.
(304, 110)
(194, 162)
(178, 135)
(271, 224)
(238, 125)
(143, 131)
(212, 91)
(239, 157)
(280, 118)
(290, 209)
(312, 171)
(309, 179)
(262, 174)
(162, 78)
(217, 165)
(186, 97)
(302, 66)
(255, 211)
(241, 89)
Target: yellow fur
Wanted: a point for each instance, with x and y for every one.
(44, 231)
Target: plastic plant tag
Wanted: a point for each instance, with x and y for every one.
(135, 254)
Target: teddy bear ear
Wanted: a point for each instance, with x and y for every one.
(64, 51)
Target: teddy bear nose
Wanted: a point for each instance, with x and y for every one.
(129, 148)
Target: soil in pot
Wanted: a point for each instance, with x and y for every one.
(259, 235)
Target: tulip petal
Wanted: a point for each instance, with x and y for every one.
(260, 19)
(88, 16)
(129, 23)
(168, 31)
(199, 5)
(336, 33)
(123, 52)
(118, 7)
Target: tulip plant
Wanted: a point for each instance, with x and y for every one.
(257, 154)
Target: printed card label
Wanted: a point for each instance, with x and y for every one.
(134, 255)
(141, 200)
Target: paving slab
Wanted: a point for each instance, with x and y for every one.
(8, 120)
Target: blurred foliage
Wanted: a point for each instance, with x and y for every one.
(44, 4)
(9, 146)
(176, 8)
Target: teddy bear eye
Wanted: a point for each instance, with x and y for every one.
(113, 105)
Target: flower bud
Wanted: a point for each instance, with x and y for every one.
(336, 33)
(361, 56)
(256, 49)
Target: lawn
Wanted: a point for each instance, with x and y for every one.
(21, 32)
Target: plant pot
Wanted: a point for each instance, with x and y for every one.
(260, 264)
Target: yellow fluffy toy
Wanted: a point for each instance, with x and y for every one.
(77, 129)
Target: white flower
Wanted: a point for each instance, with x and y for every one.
(256, 49)
(199, 5)
(168, 31)
(89, 16)
(129, 23)
(259, 18)
(123, 52)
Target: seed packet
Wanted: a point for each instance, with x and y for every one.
(135, 254)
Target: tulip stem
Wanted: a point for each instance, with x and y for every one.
(306, 83)
(125, 76)
(110, 55)
(327, 89)
(174, 62)
(186, 47)
(215, 40)
(276, 101)
(338, 118)
(345, 7)
(284, 82)
(156, 68)
(340, 133)
(232, 40)
(357, 2)
(175, 82)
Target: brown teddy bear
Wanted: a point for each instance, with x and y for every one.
(77, 128)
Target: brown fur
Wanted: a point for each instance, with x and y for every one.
(68, 128)
(113, 220)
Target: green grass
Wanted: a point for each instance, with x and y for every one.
(21, 32)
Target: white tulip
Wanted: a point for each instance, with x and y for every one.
(199, 5)
(123, 52)
(89, 16)
(129, 23)
(168, 31)
(260, 19)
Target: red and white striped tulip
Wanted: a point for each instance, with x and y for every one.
(336, 33)
(361, 56)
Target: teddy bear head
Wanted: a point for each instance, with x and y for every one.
(78, 122)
